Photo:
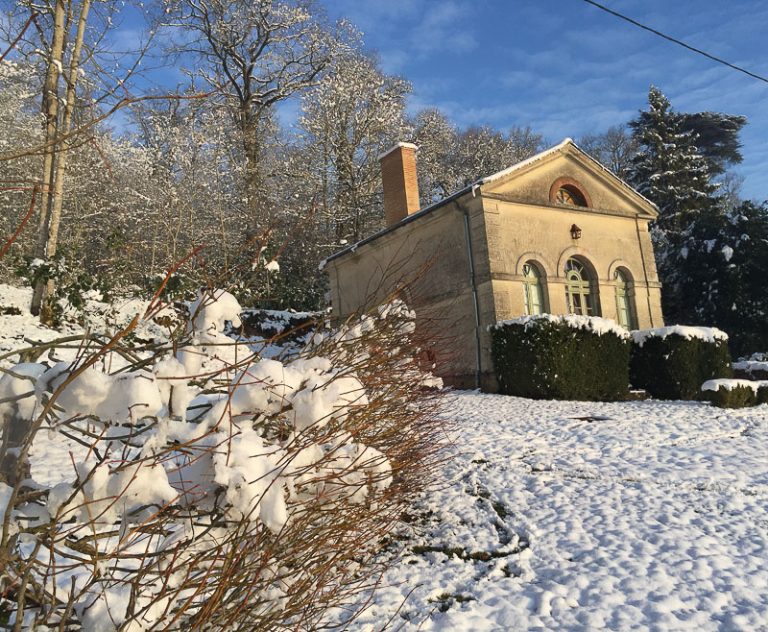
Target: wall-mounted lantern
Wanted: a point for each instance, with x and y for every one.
(575, 232)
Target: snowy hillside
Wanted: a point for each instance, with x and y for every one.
(589, 516)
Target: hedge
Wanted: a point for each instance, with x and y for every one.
(736, 396)
(561, 357)
(673, 362)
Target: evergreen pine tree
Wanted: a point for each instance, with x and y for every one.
(740, 305)
(718, 137)
(670, 171)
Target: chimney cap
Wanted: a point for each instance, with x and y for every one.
(397, 146)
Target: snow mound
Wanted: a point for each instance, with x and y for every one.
(707, 334)
(595, 324)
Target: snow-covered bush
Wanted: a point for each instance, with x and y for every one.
(735, 393)
(561, 357)
(727, 393)
(753, 368)
(673, 362)
(210, 488)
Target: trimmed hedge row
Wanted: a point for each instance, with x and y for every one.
(575, 357)
(550, 358)
(675, 366)
(735, 393)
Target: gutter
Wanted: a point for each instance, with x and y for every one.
(473, 284)
(645, 270)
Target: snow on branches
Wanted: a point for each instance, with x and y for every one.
(206, 485)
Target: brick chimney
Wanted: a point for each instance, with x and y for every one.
(401, 187)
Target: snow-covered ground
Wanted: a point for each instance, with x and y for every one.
(564, 515)
(589, 516)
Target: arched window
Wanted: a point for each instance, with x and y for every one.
(580, 289)
(533, 289)
(625, 312)
(570, 195)
(568, 192)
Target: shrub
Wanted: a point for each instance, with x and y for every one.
(753, 368)
(286, 326)
(215, 489)
(762, 394)
(561, 357)
(726, 393)
(673, 362)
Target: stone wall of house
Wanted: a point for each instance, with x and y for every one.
(525, 225)
(426, 263)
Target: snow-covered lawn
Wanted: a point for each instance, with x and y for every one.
(587, 516)
(563, 515)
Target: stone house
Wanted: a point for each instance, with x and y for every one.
(557, 233)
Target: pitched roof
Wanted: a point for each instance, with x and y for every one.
(566, 142)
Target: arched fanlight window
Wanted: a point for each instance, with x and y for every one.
(580, 289)
(625, 313)
(568, 192)
(570, 195)
(533, 289)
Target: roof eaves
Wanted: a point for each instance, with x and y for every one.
(477, 183)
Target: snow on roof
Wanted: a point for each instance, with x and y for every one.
(528, 161)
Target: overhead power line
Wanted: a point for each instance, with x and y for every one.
(676, 41)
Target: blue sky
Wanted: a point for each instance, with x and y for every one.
(566, 68)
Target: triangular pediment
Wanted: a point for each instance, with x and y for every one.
(538, 179)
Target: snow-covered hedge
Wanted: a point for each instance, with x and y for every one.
(730, 393)
(209, 488)
(755, 368)
(673, 362)
(561, 357)
(706, 334)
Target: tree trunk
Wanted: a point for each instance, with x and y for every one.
(50, 232)
(51, 112)
(14, 428)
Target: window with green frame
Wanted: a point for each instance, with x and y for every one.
(625, 312)
(533, 290)
(580, 290)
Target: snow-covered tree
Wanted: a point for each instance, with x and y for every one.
(354, 114)
(20, 126)
(450, 158)
(712, 249)
(254, 54)
(668, 167)
(717, 136)
(437, 139)
(727, 274)
(670, 171)
(330, 182)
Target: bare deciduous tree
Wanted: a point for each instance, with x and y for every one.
(614, 148)
(255, 54)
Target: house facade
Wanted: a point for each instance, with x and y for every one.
(557, 233)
